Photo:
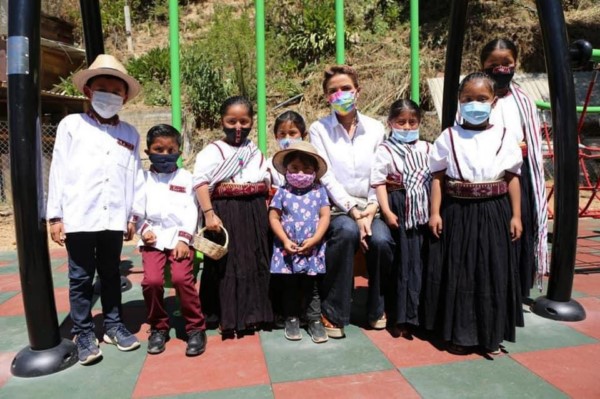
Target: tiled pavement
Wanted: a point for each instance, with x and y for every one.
(549, 360)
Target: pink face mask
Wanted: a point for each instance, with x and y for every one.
(300, 180)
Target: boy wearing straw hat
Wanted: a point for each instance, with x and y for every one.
(95, 169)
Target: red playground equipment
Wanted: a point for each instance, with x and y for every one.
(589, 155)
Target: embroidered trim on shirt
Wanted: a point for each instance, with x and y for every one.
(185, 235)
(177, 189)
(125, 144)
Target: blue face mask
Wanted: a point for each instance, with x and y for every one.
(164, 163)
(405, 136)
(475, 112)
(287, 141)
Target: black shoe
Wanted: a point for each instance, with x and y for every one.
(156, 341)
(292, 329)
(196, 343)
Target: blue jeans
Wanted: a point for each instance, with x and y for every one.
(343, 240)
(88, 252)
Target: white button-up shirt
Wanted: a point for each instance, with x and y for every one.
(349, 161)
(166, 206)
(93, 174)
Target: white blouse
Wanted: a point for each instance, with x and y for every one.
(349, 161)
(506, 113)
(277, 179)
(389, 163)
(166, 205)
(94, 173)
(481, 155)
(213, 155)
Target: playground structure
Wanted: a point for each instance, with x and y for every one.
(49, 353)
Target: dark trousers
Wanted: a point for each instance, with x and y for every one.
(182, 277)
(90, 252)
(300, 296)
(343, 240)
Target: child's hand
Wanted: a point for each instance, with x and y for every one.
(391, 219)
(128, 235)
(290, 247)
(516, 228)
(149, 238)
(181, 251)
(57, 233)
(435, 225)
(213, 223)
(306, 247)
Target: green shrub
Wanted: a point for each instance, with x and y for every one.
(158, 94)
(204, 85)
(155, 65)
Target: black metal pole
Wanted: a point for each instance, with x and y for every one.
(454, 50)
(557, 304)
(47, 353)
(92, 29)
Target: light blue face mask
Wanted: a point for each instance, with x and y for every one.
(405, 136)
(475, 112)
(285, 142)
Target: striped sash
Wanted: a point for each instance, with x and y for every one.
(417, 182)
(533, 137)
(234, 164)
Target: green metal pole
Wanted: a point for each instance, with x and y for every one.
(340, 57)
(175, 81)
(261, 76)
(414, 51)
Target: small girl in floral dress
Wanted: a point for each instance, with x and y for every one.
(299, 216)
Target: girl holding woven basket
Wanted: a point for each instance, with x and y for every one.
(231, 184)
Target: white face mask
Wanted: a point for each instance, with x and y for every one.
(105, 104)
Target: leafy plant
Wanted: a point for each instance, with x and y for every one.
(205, 86)
(155, 65)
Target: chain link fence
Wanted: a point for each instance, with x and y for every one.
(48, 135)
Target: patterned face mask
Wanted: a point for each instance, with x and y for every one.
(502, 75)
(300, 180)
(342, 102)
(235, 136)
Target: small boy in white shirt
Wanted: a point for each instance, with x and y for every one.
(168, 215)
(94, 170)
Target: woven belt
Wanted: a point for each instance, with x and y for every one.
(239, 189)
(460, 189)
(391, 185)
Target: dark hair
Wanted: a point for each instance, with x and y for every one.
(404, 104)
(339, 70)
(91, 80)
(305, 158)
(291, 116)
(162, 130)
(477, 76)
(236, 100)
(498, 44)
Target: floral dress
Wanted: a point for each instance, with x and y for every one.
(299, 218)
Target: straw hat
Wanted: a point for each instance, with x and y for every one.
(302, 146)
(106, 64)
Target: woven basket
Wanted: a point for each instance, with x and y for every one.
(210, 248)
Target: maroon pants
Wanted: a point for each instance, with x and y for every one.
(182, 277)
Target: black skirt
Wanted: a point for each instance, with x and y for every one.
(236, 287)
(407, 264)
(471, 292)
(525, 247)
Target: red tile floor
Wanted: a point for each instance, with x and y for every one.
(549, 360)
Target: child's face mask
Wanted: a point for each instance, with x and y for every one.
(105, 104)
(164, 163)
(285, 142)
(405, 136)
(475, 112)
(300, 180)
